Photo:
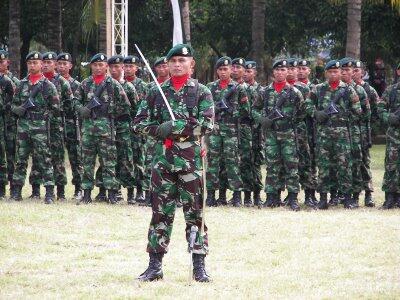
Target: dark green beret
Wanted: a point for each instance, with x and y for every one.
(34, 55)
(280, 63)
(99, 57)
(358, 64)
(64, 56)
(332, 64)
(239, 61)
(251, 64)
(346, 62)
(180, 50)
(304, 63)
(3, 54)
(131, 59)
(116, 59)
(223, 61)
(50, 55)
(292, 62)
(159, 61)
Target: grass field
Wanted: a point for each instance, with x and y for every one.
(97, 251)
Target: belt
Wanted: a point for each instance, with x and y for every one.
(181, 139)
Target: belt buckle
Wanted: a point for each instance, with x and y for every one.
(181, 139)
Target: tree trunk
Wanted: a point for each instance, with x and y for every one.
(353, 28)
(54, 30)
(14, 36)
(186, 20)
(257, 36)
(102, 38)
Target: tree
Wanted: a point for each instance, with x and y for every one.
(186, 20)
(14, 34)
(54, 30)
(353, 39)
(257, 35)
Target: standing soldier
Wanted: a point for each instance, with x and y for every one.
(277, 112)
(231, 104)
(334, 102)
(35, 101)
(131, 66)
(72, 125)
(98, 98)
(177, 162)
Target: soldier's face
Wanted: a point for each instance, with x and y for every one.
(237, 72)
(162, 70)
(292, 73)
(249, 75)
(303, 73)
(347, 74)
(99, 68)
(64, 67)
(34, 66)
(116, 71)
(180, 65)
(280, 74)
(130, 69)
(224, 72)
(333, 75)
(48, 66)
(4, 65)
(357, 74)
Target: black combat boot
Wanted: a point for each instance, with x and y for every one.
(323, 201)
(35, 192)
(237, 199)
(154, 270)
(112, 196)
(2, 191)
(199, 271)
(277, 199)
(147, 198)
(139, 196)
(101, 196)
(49, 196)
(257, 198)
(292, 202)
(308, 199)
(313, 197)
(334, 199)
(341, 198)
(285, 201)
(390, 201)
(130, 198)
(78, 192)
(16, 193)
(348, 202)
(368, 201)
(210, 200)
(60, 193)
(247, 199)
(87, 197)
(222, 197)
(270, 200)
(356, 199)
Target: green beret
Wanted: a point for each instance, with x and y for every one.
(332, 64)
(64, 57)
(223, 61)
(292, 62)
(358, 64)
(116, 59)
(34, 55)
(50, 55)
(280, 63)
(346, 62)
(180, 50)
(131, 59)
(99, 57)
(159, 61)
(3, 54)
(304, 63)
(239, 61)
(251, 64)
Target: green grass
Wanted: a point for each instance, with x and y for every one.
(96, 251)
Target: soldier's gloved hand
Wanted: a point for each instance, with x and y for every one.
(393, 119)
(19, 111)
(266, 123)
(84, 112)
(321, 116)
(165, 129)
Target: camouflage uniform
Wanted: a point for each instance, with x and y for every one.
(177, 162)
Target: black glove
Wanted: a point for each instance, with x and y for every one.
(266, 123)
(321, 116)
(84, 112)
(393, 119)
(165, 129)
(19, 111)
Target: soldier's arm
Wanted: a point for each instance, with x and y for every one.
(258, 106)
(366, 107)
(144, 122)
(67, 97)
(354, 102)
(243, 103)
(313, 100)
(300, 111)
(16, 100)
(53, 100)
(79, 97)
(373, 102)
(383, 106)
(121, 103)
(9, 90)
(133, 98)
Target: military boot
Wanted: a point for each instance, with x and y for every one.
(2, 191)
(154, 270)
(247, 199)
(292, 202)
(356, 199)
(130, 198)
(313, 197)
(16, 193)
(147, 198)
(87, 197)
(285, 201)
(199, 271)
(348, 202)
(390, 201)
(277, 199)
(334, 199)
(368, 201)
(35, 192)
(222, 197)
(270, 200)
(210, 200)
(49, 196)
(112, 196)
(257, 198)
(60, 193)
(237, 199)
(323, 201)
(139, 196)
(341, 197)
(101, 196)
(78, 192)
(308, 199)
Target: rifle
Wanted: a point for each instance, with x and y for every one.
(276, 113)
(94, 103)
(333, 109)
(29, 103)
(224, 104)
(192, 239)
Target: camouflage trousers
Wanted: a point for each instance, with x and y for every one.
(10, 143)
(3, 161)
(334, 159)
(282, 161)
(223, 162)
(138, 151)
(259, 158)
(366, 162)
(307, 175)
(74, 151)
(32, 140)
(57, 158)
(391, 178)
(148, 162)
(246, 154)
(166, 189)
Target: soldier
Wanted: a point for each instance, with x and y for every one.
(334, 102)
(72, 125)
(131, 66)
(98, 99)
(231, 103)
(389, 113)
(257, 155)
(177, 161)
(35, 101)
(365, 127)
(56, 130)
(277, 112)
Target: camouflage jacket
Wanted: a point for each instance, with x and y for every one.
(308, 105)
(389, 103)
(133, 98)
(13, 78)
(141, 88)
(7, 89)
(65, 94)
(364, 102)
(373, 99)
(191, 123)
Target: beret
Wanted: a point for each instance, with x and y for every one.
(64, 56)
(115, 59)
(292, 62)
(332, 64)
(280, 63)
(239, 61)
(358, 64)
(49, 55)
(223, 61)
(160, 60)
(99, 57)
(251, 64)
(304, 63)
(346, 62)
(131, 59)
(180, 50)
(34, 55)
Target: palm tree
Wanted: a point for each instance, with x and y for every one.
(258, 35)
(14, 36)
(186, 20)
(54, 31)
(93, 20)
